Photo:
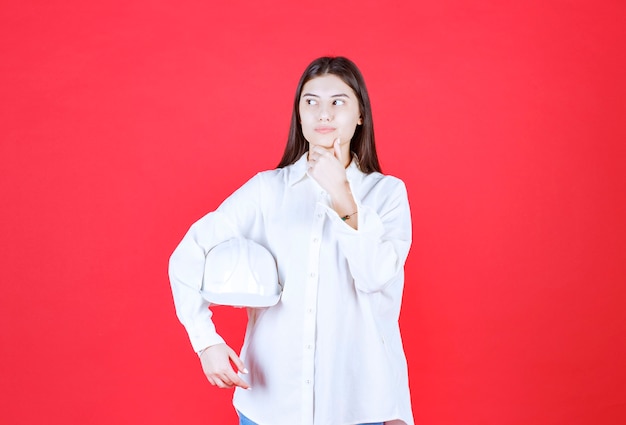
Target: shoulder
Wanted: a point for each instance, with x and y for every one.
(285, 175)
(275, 176)
(268, 181)
(385, 181)
(388, 178)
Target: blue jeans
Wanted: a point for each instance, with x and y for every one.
(245, 421)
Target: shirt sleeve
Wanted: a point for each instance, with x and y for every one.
(377, 251)
(234, 218)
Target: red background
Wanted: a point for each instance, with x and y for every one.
(124, 122)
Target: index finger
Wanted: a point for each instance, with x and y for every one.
(237, 381)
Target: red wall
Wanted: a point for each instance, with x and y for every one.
(123, 122)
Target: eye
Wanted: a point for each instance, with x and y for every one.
(310, 101)
(339, 102)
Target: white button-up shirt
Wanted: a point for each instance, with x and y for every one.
(329, 353)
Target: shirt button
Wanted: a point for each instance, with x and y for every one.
(312, 274)
(309, 347)
(308, 381)
(315, 240)
(319, 215)
(309, 310)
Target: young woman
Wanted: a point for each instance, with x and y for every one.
(329, 353)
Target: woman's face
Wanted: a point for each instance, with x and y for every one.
(329, 109)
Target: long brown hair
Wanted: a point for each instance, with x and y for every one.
(362, 143)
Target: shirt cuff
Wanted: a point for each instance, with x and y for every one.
(201, 337)
(369, 223)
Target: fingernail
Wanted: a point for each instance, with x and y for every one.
(245, 370)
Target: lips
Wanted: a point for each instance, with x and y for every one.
(324, 130)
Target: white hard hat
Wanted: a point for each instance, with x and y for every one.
(242, 273)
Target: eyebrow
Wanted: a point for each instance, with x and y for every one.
(334, 95)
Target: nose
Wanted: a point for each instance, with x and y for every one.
(325, 114)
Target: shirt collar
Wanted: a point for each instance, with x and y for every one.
(297, 171)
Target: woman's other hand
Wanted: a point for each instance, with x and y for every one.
(216, 364)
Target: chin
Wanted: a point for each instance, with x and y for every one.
(322, 143)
